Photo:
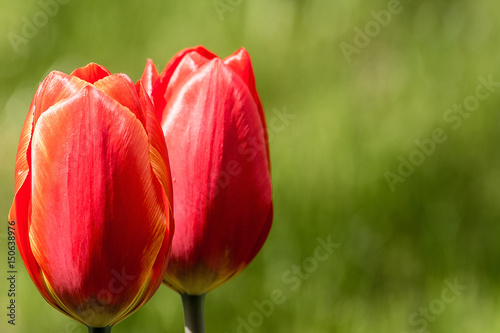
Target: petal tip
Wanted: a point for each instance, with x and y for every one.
(91, 73)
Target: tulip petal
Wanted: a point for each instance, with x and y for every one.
(121, 88)
(91, 73)
(174, 62)
(199, 56)
(55, 88)
(91, 166)
(242, 65)
(220, 175)
(149, 76)
(158, 148)
(255, 250)
(158, 156)
(266, 228)
(20, 212)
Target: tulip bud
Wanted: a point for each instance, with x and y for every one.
(215, 130)
(93, 194)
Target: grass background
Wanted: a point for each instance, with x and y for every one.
(352, 121)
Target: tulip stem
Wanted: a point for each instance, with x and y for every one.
(106, 329)
(194, 313)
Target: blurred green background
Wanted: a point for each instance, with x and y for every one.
(351, 122)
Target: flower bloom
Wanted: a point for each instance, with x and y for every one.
(215, 130)
(92, 205)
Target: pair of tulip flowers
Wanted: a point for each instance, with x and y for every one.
(105, 166)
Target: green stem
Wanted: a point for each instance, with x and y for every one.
(106, 329)
(194, 313)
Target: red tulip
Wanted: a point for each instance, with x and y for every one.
(92, 201)
(215, 130)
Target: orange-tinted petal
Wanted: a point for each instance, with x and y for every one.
(92, 183)
(121, 88)
(55, 88)
(159, 157)
(158, 149)
(21, 207)
(91, 73)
